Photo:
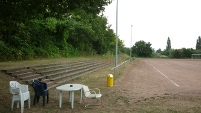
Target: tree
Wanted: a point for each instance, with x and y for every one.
(168, 48)
(13, 13)
(142, 49)
(186, 53)
(44, 28)
(182, 53)
(177, 53)
(158, 51)
(198, 44)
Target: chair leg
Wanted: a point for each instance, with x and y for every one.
(34, 102)
(47, 97)
(99, 103)
(43, 100)
(18, 104)
(38, 98)
(87, 103)
(29, 102)
(22, 106)
(12, 103)
(93, 103)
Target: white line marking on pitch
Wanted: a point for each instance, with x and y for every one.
(163, 75)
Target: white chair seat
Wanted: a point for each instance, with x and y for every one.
(92, 94)
(20, 94)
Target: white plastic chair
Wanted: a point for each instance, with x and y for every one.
(20, 94)
(92, 94)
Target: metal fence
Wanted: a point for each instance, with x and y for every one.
(196, 56)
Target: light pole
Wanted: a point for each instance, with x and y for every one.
(116, 58)
(131, 42)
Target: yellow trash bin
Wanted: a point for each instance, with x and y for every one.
(110, 80)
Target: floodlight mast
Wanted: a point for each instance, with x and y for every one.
(131, 42)
(116, 58)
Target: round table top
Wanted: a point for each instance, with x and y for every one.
(70, 87)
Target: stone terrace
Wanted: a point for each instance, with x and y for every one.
(56, 74)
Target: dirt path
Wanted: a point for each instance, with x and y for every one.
(151, 77)
(154, 81)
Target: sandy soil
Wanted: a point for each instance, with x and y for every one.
(149, 77)
(173, 85)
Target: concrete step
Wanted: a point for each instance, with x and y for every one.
(53, 86)
(28, 73)
(20, 71)
(78, 75)
(60, 69)
(52, 66)
(14, 69)
(29, 79)
(61, 73)
(32, 76)
(73, 74)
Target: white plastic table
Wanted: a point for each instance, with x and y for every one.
(71, 88)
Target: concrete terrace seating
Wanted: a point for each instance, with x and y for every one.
(23, 73)
(56, 74)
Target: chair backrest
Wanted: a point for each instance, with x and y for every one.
(37, 82)
(14, 87)
(39, 87)
(86, 91)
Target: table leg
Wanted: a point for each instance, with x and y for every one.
(72, 99)
(80, 95)
(70, 96)
(60, 99)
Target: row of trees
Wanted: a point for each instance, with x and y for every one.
(143, 49)
(56, 28)
(180, 53)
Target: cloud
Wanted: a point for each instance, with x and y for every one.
(155, 20)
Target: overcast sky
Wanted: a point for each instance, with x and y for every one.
(155, 20)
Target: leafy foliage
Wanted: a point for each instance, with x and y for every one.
(182, 53)
(168, 47)
(168, 51)
(64, 28)
(142, 49)
(158, 51)
(198, 44)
